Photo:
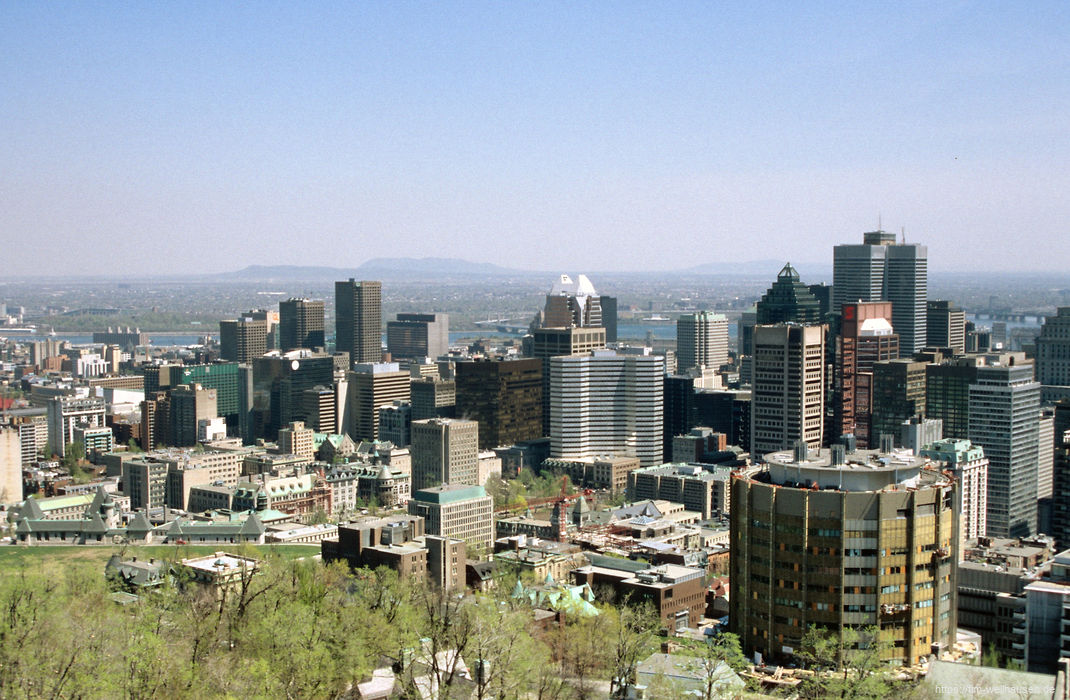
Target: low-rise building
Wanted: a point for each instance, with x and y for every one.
(678, 593)
(702, 491)
(596, 472)
(465, 512)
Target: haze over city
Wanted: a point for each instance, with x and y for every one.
(207, 137)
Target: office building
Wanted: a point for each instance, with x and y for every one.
(1060, 509)
(898, 396)
(881, 270)
(232, 382)
(945, 326)
(866, 337)
(678, 410)
(301, 324)
(242, 340)
(66, 412)
(609, 317)
(188, 405)
(297, 439)
(968, 464)
(788, 397)
(371, 386)
(1004, 421)
(917, 433)
(281, 380)
(947, 394)
(459, 511)
(504, 397)
(701, 341)
(701, 491)
(839, 539)
(788, 301)
(320, 410)
(33, 439)
(557, 342)
(395, 423)
(571, 303)
(444, 450)
(433, 398)
(603, 404)
(417, 336)
(358, 318)
(1053, 356)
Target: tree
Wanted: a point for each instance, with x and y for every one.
(633, 631)
(847, 666)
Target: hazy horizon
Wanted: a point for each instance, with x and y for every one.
(203, 138)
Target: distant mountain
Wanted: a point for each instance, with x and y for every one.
(374, 267)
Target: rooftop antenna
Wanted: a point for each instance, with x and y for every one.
(903, 235)
(879, 222)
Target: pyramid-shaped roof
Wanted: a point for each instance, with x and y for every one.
(31, 509)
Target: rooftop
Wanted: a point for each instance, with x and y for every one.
(449, 493)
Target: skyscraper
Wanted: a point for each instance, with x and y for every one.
(243, 339)
(358, 319)
(898, 395)
(602, 403)
(788, 401)
(701, 341)
(946, 326)
(1005, 421)
(866, 337)
(882, 270)
(571, 304)
(416, 336)
(555, 342)
(444, 451)
(301, 324)
(372, 385)
(1053, 356)
(504, 396)
(788, 301)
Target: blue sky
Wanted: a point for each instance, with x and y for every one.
(601, 136)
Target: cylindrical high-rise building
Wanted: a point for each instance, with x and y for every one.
(833, 539)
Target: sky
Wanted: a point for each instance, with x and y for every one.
(205, 137)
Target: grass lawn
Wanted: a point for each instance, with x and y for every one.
(13, 556)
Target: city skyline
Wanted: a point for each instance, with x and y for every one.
(545, 137)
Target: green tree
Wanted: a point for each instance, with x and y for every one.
(847, 666)
(633, 631)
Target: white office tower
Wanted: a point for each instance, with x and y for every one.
(701, 341)
(1005, 421)
(788, 395)
(603, 404)
(882, 270)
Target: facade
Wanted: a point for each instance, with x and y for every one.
(604, 404)
(444, 450)
(609, 317)
(1004, 421)
(242, 339)
(701, 491)
(1060, 509)
(555, 342)
(504, 396)
(1053, 355)
(358, 315)
(945, 326)
(94, 439)
(10, 466)
(65, 412)
(458, 511)
(301, 324)
(432, 397)
(968, 464)
(701, 341)
(609, 473)
(677, 593)
(416, 336)
(33, 438)
(947, 394)
(788, 398)
(866, 337)
(395, 423)
(898, 396)
(572, 303)
(145, 483)
(296, 439)
(787, 301)
(190, 404)
(837, 539)
(372, 386)
(882, 270)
